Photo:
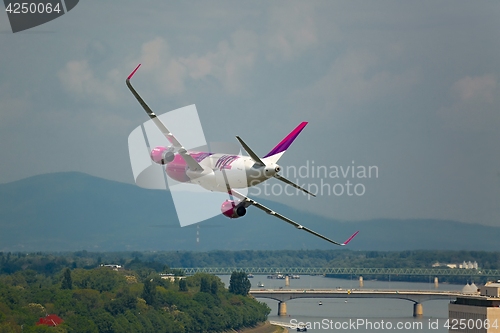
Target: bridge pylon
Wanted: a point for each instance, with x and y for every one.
(418, 310)
(281, 308)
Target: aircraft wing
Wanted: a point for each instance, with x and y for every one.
(190, 161)
(247, 202)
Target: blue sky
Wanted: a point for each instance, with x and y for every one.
(409, 87)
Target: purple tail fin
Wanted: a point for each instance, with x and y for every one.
(287, 141)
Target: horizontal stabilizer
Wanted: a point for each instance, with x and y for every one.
(250, 152)
(289, 182)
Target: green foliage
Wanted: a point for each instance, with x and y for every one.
(37, 329)
(149, 292)
(183, 285)
(239, 283)
(81, 324)
(123, 301)
(214, 288)
(101, 279)
(145, 264)
(102, 300)
(67, 282)
(92, 299)
(204, 285)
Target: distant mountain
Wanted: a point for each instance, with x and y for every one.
(74, 211)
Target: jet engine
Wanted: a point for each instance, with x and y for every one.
(231, 209)
(162, 155)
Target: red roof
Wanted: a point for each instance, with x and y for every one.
(50, 320)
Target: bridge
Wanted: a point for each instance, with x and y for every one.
(489, 273)
(415, 296)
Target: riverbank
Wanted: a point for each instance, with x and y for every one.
(264, 328)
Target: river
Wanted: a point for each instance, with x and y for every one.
(360, 315)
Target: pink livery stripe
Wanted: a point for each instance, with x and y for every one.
(287, 141)
(132, 74)
(350, 238)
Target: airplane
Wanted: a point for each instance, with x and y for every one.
(225, 172)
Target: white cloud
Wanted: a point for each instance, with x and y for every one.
(357, 78)
(292, 30)
(475, 104)
(233, 60)
(78, 78)
(166, 72)
(153, 53)
(228, 63)
(476, 88)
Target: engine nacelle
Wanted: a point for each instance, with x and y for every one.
(231, 209)
(162, 155)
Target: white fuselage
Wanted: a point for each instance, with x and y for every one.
(221, 172)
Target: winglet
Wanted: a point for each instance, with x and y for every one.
(350, 238)
(133, 72)
(190, 161)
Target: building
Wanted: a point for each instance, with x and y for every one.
(468, 265)
(476, 313)
(114, 267)
(491, 290)
(470, 289)
(50, 320)
(463, 265)
(171, 277)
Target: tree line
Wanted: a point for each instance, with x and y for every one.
(49, 263)
(107, 301)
